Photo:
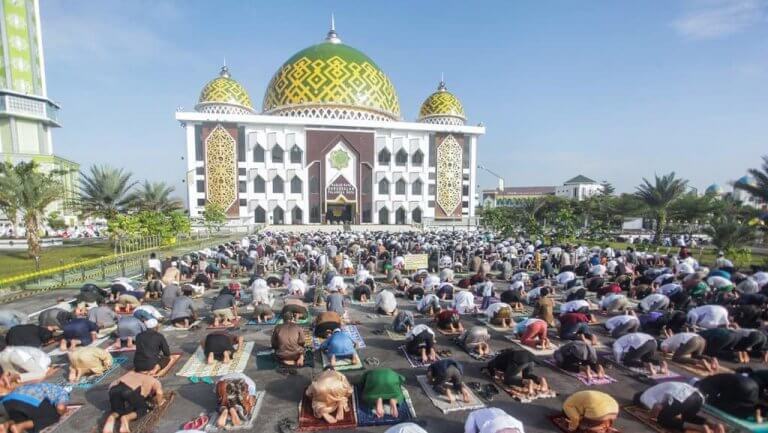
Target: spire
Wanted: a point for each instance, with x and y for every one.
(441, 87)
(332, 37)
(224, 70)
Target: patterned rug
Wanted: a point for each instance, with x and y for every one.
(659, 377)
(561, 422)
(58, 352)
(265, 359)
(175, 357)
(171, 328)
(644, 416)
(367, 418)
(415, 362)
(116, 348)
(88, 382)
(308, 422)
(521, 397)
(537, 352)
(246, 425)
(394, 336)
(342, 364)
(581, 377)
(198, 367)
(443, 404)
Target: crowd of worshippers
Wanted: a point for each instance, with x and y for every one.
(658, 308)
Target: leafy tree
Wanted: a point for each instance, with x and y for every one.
(728, 233)
(55, 221)
(760, 187)
(693, 211)
(214, 217)
(31, 191)
(166, 225)
(608, 188)
(104, 191)
(657, 197)
(9, 203)
(155, 196)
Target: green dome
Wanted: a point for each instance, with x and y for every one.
(333, 80)
(442, 107)
(223, 94)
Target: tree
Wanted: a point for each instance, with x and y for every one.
(760, 188)
(165, 225)
(214, 217)
(55, 221)
(693, 211)
(608, 188)
(104, 191)
(155, 196)
(728, 233)
(9, 203)
(658, 197)
(31, 192)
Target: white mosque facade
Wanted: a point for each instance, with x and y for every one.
(329, 146)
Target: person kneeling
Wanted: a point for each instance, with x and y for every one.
(221, 346)
(449, 320)
(420, 341)
(236, 398)
(129, 399)
(514, 368)
(88, 361)
(445, 376)
(676, 406)
(380, 385)
(476, 340)
(340, 345)
(579, 357)
(330, 392)
(590, 411)
(34, 407)
(288, 342)
(499, 314)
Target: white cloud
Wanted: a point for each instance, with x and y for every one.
(719, 18)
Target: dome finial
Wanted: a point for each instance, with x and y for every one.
(332, 37)
(224, 70)
(441, 87)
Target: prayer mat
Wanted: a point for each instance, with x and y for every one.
(537, 352)
(147, 423)
(694, 369)
(581, 377)
(739, 423)
(247, 424)
(473, 353)
(394, 336)
(443, 404)
(71, 410)
(366, 303)
(58, 352)
(561, 422)
(367, 418)
(350, 330)
(170, 328)
(272, 321)
(116, 348)
(658, 377)
(415, 361)
(308, 422)
(265, 360)
(234, 324)
(87, 382)
(644, 416)
(197, 365)
(27, 378)
(305, 321)
(342, 364)
(175, 357)
(520, 397)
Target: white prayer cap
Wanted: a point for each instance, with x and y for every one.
(406, 427)
(151, 323)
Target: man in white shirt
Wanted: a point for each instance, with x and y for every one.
(430, 304)
(638, 350)
(614, 302)
(653, 302)
(499, 314)
(30, 363)
(155, 264)
(676, 405)
(688, 348)
(708, 317)
(622, 325)
(464, 302)
(577, 305)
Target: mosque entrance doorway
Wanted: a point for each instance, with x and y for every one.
(339, 213)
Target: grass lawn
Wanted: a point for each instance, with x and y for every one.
(706, 256)
(16, 262)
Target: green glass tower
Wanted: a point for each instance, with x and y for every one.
(26, 114)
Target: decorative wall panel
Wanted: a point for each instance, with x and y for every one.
(221, 168)
(449, 175)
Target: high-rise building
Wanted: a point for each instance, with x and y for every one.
(26, 114)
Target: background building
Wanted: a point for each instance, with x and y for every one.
(577, 188)
(330, 146)
(26, 114)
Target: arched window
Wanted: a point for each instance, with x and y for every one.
(259, 215)
(278, 216)
(296, 155)
(418, 158)
(383, 186)
(400, 187)
(384, 156)
(401, 158)
(416, 215)
(416, 187)
(297, 215)
(400, 216)
(277, 185)
(259, 185)
(295, 185)
(258, 154)
(384, 216)
(314, 185)
(314, 214)
(278, 154)
(366, 189)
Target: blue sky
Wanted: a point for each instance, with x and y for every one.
(614, 90)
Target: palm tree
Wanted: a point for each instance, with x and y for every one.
(31, 191)
(155, 196)
(728, 232)
(658, 197)
(9, 185)
(760, 188)
(104, 191)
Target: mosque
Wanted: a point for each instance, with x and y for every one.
(330, 146)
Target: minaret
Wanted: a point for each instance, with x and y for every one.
(332, 37)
